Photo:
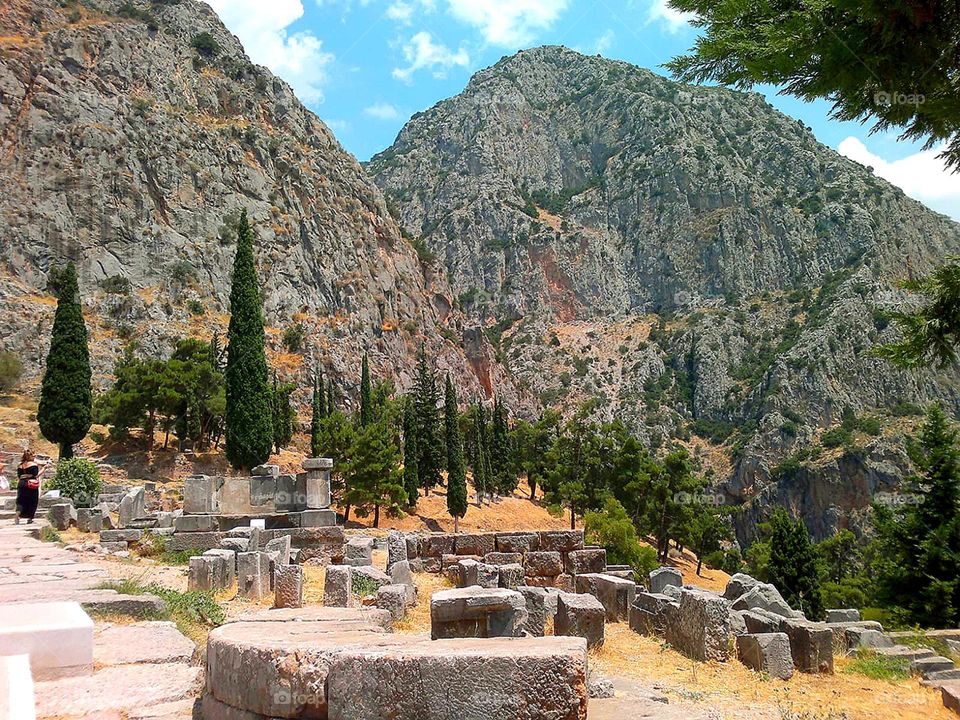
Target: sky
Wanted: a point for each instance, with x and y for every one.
(366, 66)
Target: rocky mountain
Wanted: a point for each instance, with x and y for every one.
(685, 258)
(132, 133)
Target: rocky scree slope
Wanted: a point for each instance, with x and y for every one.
(685, 258)
(131, 135)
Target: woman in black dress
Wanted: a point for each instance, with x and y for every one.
(28, 486)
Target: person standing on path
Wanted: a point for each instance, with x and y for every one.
(29, 475)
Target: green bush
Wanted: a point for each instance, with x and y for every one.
(79, 480)
(10, 371)
(612, 529)
(294, 337)
(205, 45)
(835, 437)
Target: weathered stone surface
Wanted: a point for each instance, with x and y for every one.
(481, 574)
(89, 520)
(843, 616)
(543, 564)
(369, 577)
(281, 548)
(511, 576)
(132, 506)
(539, 610)
(142, 642)
(763, 596)
(475, 543)
(393, 598)
(811, 645)
(663, 577)
(860, 637)
(396, 548)
(768, 653)
(502, 679)
(477, 612)
(761, 622)
(322, 518)
(288, 586)
(580, 616)
(648, 614)
(561, 541)
(62, 516)
(318, 463)
(358, 551)
(581, 562)
(225, 567)
(517, 542)
(739, 584)
(950, 694)
(338, 586)
(615, 594)
(201, 494)
(254, 578)
(400, 573)
(700, 628)
(120, 535)
(502, 558)
(437, 545)
(336, 618)
(235, 498)
(195, 523)
(413, 547)
(181, 542)
(201, 573)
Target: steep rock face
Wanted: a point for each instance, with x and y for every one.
(131, 135)
(688, 258)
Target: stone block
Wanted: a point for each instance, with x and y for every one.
(393, 598)
(317, 485)
(265, 471)
(62, 516)
(413, 547)
(518, 542)
(254, 578)
(562, 541)
(318, 518)
(132, 506)
(288, 586)
(539, 610)
(768, 653)
(235, 497)
(225, 567)
(565, 583)
(763, 596)
(581, 562)
(281, 547)
(648, 614)
(368, 579)
(201, 573)
(358, 551)
(664, 577)
(17, 701)
(195, 523)
(291, 494)
(477, 612)
(58, 637)
(860, 637)
(760, 622)
(580, 616)
(543, 564)
(501, 558)
(615, 594)
(89, 520)
(437, 545)
(739, 584)
(843, 616)
(474, 544)
(811, 645)
(120, 536)
(165, 520)
(263, 490)
(700, 628)
(950, 694)
(431, 565)
(477, 573)
(318, 463)
(510, 576)
(400, 573)
(396, 548)
(201, 494)
(193, 542)
(338, 586)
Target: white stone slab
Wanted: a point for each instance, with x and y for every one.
(57, 636)
(16, 688)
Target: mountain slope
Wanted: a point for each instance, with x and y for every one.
(688, 259)
(131, 134)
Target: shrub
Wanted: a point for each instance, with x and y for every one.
(116, 285)
(611, 528)
(835, 437)
(79, 480)
(293, 337)
(205, 45)
(10, 371)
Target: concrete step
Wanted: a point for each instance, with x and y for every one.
(926, 666)
(907, 653)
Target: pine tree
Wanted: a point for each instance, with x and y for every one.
(373, 475)
(319, 412)
(430, 449)
(366, 400)
(66, 398)
(792, 566)
(411, 478)
(249, 417)
(456, 467)
(284, 415)
(504, 479)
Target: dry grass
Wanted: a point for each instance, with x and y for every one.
(418, 617)
(729, 686)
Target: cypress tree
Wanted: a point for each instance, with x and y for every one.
(330, 405)
(793, 564)
(430, 450)
(503, 478)
(456, 467)
(319, 412)
(249, 433)
(284, 415)
(481, 461)
(366, 400)
(66, 398)
(411, 478)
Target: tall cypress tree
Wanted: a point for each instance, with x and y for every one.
(331, 407)
(503, 479)
(411, 477)
(430, 449)
(284, 415)
(366, 400)
(793, 564)
(480, 452)
(319, 412)
(249, 433)
(66, 398)
(456, 467)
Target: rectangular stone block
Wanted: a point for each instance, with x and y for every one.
(291, 495)
(195, 523)
(201, 574)
(501, 558)
(263, 489)
(235, 497)
(201, 494)
(648, 614)
(89, 520)
(475, 544)
(225, 568)
(437, 545)
(182, 542)
(288, 586)
(396, 548)
(700, 628)
(843, 616)
(562, 541)
(265, 471)
(358, 551)
(541, 606)
(511, 576)
(58, 637)
(120, 535)
(254, 578)
(615, 594)
(580, 616)
(318, 490)
(338, 586)
(664, 577)
(811, 645)
(543, 564)
(768, 653)
(581, 562)
(477, 612)
(17, 700)
(318, 518)
(517, 542)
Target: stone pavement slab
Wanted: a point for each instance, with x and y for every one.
(143, 642)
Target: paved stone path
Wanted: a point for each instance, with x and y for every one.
(142, 671)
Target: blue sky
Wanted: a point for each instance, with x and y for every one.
(366, 66)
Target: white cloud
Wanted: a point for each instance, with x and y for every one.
(604, 42)
(923, 176)
(674, 20)
(298, 58)
(421, 52)
(508, 23)
(382, 111)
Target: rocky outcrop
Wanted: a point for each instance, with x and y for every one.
(688, 258)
